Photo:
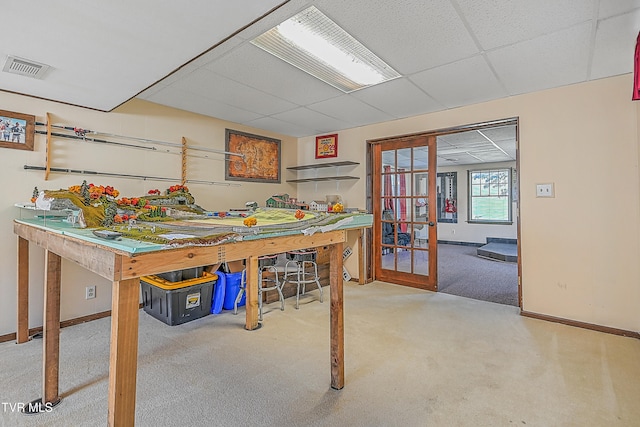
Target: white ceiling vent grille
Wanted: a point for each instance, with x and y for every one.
(25, 67)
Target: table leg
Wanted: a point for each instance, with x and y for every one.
(22, 331)
(362, 272)
(51, 329)
(337, 316)
(51, 337)
(123, 361)
(251, 321)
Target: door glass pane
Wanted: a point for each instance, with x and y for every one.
(420, 235)
(389, 159)
(421, 208)
(388, 228)
(403, 206)
(421, 262)
(404, 261)
(420, 158)
(404, 159)
(388, 185)
(388, 258)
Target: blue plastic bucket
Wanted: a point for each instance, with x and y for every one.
(218, 294)
(232, 287)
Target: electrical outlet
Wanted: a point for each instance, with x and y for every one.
(544, 190)
(90, 292)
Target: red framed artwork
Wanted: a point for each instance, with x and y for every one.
(326, 146)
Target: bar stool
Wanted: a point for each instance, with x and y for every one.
(301, 268)
(265, 263)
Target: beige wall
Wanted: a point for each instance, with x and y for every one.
(135, 118)
(581, 249)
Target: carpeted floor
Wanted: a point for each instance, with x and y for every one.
(462, 272)
(412, 358)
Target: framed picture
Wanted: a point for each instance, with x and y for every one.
(17, 130)
(326, 146)
(258, 158)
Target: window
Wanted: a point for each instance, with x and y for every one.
(490, 196)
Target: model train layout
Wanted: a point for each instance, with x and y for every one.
(172, 217)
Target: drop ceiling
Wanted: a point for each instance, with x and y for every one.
(496, 144)
(196, 55)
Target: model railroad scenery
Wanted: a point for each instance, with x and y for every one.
(172, 217)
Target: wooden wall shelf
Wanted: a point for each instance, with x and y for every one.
(323, 165)
(325, 178)
(320, 166)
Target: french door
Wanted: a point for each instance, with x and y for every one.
(404, 209)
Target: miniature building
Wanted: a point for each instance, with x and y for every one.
(318, 205)
(283, 201)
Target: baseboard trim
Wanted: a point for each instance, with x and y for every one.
(455, 242)
(63, 324)
(584, 325)
(569, 322)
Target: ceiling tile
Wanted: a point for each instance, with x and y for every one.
(278, 16)
(501, 133)
(314, 121)
(187, 101)
(614, 45)
(398, 98)
(410, 37)
(509, 147)
(503, 22)
(256, 68)
(121, 48)
(465, 82)
(280, 126)
(351, 110)
(545, 62)
(146, 94)
(471, 147)
(201, 61)
(610, 8)
(210, 85)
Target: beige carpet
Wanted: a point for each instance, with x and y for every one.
(413, 358)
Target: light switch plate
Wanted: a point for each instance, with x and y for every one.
(544, 190)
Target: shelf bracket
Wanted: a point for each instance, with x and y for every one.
(184, 160)
(47, 152)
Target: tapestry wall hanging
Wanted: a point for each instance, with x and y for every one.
(261, 161)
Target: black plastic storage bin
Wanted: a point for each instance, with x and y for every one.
(180, 275)
(175, 303)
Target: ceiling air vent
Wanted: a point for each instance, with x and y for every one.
(25, 67)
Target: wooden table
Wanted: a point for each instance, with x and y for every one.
(124, 269)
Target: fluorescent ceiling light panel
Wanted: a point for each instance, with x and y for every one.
(317, 45)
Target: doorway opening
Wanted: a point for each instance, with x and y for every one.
(450, 224)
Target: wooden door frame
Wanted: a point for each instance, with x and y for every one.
(405, 278)
(438, 132)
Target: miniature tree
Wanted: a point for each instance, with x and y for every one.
(109, 213)
(84, 193)
(250, 222)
